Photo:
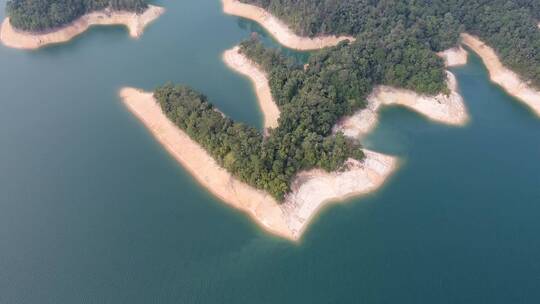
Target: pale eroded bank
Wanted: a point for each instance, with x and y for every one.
(243, 65)
(311, 189)
(278, 29)
(506, 78)
(447, 109)
(135, 23)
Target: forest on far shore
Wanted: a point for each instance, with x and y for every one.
(42, 15)
(508, 26)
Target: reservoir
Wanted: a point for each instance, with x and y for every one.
(94, 210)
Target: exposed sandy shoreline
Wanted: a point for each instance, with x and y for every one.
(445, 109)
(241, 64)
(314, 189)
(507, 79)
(136, 23)
(311, 190)
(202, 166)
(455, 56)
(278, 29)
(449, 110)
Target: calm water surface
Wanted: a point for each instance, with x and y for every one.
(93, 210)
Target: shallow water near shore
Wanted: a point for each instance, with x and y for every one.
(93, 210)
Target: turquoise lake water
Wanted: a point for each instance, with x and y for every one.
(93, 210)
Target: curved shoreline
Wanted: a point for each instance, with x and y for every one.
(504, 77)
(311, 190)
(446, 109)
(279, 30)
(135, 23)
(240, 63)
(449, 109)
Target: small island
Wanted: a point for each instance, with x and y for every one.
(34, 24)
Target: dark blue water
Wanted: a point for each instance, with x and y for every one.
(93, 210)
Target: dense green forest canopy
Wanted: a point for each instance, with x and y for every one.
(396, 44)
(509, 26)
(335, 82)
(532, 5)
(268, 164)
(42, 15)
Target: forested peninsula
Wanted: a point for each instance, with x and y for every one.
(35, 23)
(309, 189)
(311, 98)
(313, 154)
